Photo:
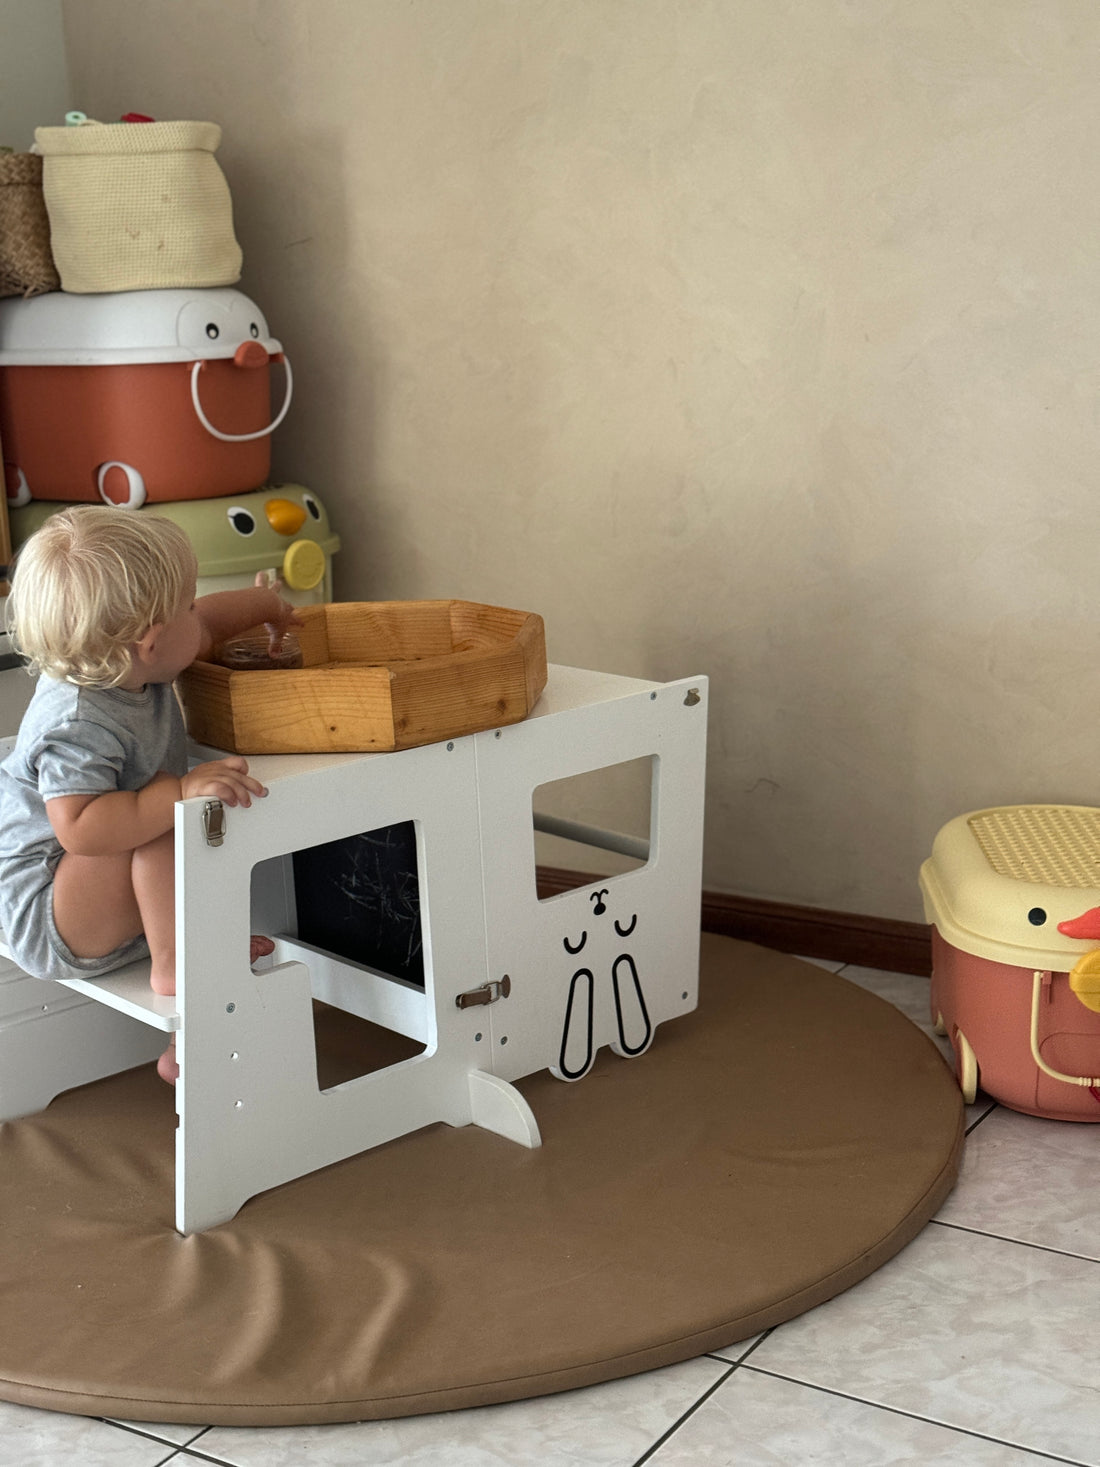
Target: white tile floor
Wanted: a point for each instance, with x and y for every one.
(979, 1344)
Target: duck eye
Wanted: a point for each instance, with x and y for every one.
(312, 506)
(254, 330)
(212, 330)
(241, 520)
(1036, 916)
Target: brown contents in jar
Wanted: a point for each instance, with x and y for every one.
(256, 654)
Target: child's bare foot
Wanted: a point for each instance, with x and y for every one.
(164, 983)
(167, 1068)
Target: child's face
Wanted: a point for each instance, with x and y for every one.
(179, 640)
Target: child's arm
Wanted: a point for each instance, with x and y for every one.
(122, 820)
(225, 613)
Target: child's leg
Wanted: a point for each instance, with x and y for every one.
(153, 882)
(100, 902)
(94, 907)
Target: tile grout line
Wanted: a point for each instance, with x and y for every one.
(186, 1454)
(691, 1410)
(976, 1122)
(147, 1434)
(734, 1365)
(1004, 1238)
(915, 1416)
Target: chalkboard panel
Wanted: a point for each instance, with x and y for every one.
(359, 897)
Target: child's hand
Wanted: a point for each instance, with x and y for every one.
(225, 779)
(285, 616)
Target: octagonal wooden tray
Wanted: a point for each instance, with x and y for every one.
(376, 676)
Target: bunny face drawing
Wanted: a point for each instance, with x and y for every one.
(600, 954)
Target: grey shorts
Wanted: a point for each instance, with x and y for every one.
(35, 943)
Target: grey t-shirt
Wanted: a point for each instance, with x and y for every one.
(73, 741)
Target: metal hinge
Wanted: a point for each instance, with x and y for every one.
(487, 993)
(213, 822)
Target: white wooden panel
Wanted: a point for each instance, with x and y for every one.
(634, 936)
(251, 1113)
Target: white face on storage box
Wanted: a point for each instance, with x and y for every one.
(216, 322)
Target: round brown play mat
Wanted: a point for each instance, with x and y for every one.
(769, 1151)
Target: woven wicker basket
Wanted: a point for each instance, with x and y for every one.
(138, 206)
(26, 262)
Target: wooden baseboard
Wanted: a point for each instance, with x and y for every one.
(810, 932)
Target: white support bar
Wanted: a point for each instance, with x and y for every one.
(394, 1003)
(591, 835)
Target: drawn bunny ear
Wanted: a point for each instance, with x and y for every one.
(578, 1028)
(630, 1010)
(600, 906)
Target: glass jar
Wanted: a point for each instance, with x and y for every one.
(256, 652)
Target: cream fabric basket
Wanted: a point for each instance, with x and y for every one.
(138, 206)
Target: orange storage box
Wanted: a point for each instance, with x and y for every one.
(155, 395)
(1013, 893)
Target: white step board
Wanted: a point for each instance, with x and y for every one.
(125, 989)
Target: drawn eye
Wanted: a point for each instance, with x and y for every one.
(212, 331)
(626, 931)
(569, 948)
(241, 519)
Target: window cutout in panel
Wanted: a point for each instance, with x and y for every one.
(359, 897)
(594, 824)
(350, 911)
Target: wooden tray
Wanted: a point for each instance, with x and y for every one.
(376, 676)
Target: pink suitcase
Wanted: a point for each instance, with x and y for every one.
(1013, 894)
(157, 395)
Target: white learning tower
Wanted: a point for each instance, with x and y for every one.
(512, 984)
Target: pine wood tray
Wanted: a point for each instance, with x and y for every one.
(376, 676)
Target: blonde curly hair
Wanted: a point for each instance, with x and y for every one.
(91, 582)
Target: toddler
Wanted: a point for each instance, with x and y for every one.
(103, 606)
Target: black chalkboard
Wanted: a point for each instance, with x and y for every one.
(359, 897)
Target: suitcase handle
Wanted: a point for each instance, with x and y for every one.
(1036, 999)
(241, 437)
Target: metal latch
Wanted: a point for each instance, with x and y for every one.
(213, 822)
(487, 993)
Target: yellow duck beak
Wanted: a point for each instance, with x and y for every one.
(284, 516)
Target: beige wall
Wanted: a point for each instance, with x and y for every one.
(752, 338)
(33, 82)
